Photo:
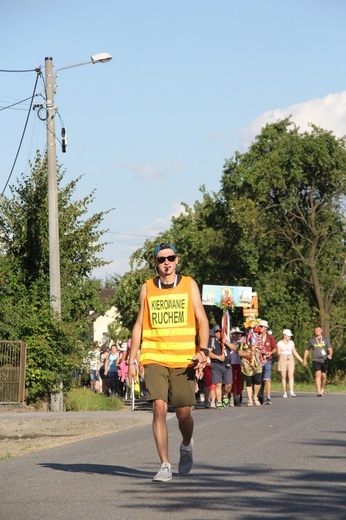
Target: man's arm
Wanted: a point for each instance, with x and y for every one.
(306, 353)
(106, 363)
(220, 357)
(273, 345)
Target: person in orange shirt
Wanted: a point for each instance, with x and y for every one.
(165, 331)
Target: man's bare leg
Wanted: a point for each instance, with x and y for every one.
(160, 428)
(323, 381)
(318, 381)
(186, 423)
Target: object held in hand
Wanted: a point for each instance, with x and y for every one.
(196, 361)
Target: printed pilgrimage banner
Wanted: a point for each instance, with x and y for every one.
(215, 294)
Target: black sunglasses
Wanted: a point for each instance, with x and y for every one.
(170, 258)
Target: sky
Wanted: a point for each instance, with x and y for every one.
(190, 83)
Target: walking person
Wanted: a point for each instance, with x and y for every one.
(111, 371)
(221, 370)
(94, 367)
(322, 353)
(170, 305)
(103, 378)
(251, 359)
(266, 342)
(237, 378)
(287, 352)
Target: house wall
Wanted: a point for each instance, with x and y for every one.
(101, 325)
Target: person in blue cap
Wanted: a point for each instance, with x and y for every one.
(170, 316)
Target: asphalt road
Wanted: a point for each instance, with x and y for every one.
(284, 461)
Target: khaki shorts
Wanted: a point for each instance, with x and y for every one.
(160, 380)
(286, 364)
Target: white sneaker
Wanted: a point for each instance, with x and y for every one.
(292, 394)
(165, 473)
(212, 404)
(285, 395)
(186, 458)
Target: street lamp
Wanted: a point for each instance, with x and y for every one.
(53, 213)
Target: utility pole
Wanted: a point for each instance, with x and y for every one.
(56, 402)
(53, 212)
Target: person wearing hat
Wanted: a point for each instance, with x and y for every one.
(268, 344)
(286, 352)
(165, 329)
(221, 369)
(251, 366)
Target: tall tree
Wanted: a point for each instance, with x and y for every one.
(24, 268)
(287, 192)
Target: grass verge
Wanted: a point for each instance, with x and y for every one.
(310, 387)
(85, 400)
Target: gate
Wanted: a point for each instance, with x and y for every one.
(12, 372)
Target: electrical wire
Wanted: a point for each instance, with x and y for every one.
(38, 70)
(38, 73)
(17, 103)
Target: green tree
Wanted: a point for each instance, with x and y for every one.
(287, 193)
(127, 295)
(55, 347)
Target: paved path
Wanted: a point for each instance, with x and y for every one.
(284, 461)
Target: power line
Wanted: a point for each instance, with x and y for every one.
(38, 71)
(17, 103)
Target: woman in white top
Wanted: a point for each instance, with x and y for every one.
(286, 352)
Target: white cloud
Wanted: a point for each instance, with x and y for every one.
(147, 172)
(328, 113)
(161, 224)
(178, 209)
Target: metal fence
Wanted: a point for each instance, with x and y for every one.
(12, 372)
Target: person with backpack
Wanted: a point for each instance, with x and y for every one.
(221, 369)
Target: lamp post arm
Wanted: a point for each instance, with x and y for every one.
(72, 66)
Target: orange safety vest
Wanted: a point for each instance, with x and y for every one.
(169, 325)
